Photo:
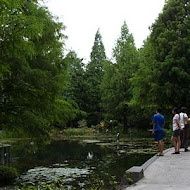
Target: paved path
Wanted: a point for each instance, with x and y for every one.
(169, 172)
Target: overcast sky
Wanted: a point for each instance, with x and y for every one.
(82, 19)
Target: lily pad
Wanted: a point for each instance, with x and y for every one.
(51, 174)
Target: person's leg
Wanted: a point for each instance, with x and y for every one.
(156, 138)
(185, 138)
(161, 146)
(182, 138)
(158, 147)
(188, 136)
(174, 142)
(178, 143)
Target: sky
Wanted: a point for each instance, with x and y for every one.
(83, 18)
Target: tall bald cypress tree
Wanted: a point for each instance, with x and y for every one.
(94, 73)
(33, 71)
(170, 39)
(116, 85)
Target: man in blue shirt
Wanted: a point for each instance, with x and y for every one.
(158, 124)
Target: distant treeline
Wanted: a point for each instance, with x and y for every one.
(42, 88)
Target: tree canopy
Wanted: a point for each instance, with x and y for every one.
(41, 88)
(116, 85)
(169, 37)
(32, 66)
(94, 73)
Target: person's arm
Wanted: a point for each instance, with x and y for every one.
(186, 118)
(178, 121)
(153, 124)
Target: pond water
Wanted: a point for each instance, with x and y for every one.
(80, 163)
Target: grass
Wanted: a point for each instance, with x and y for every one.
(79, 131)
(96, 133)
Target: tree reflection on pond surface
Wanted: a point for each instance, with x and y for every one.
(79, 162)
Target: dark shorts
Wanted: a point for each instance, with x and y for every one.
(176, 133)
(158, 135)
(187, 126)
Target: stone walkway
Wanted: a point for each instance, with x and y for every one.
(168, 172)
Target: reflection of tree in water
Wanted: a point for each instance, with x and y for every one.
(56, 152)
(105, 162)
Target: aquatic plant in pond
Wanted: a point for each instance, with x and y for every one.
(69, 162)
(49, 175)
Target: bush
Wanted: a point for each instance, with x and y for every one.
(82, 123)
(141, 133)
(7, 173)
(168, 132)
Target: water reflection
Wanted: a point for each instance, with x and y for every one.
(77, 162)
(90, 156)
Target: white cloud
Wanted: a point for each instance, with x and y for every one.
(82, 19)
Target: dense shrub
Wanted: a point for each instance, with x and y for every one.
(7, 174)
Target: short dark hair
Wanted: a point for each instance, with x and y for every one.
(159, 110)
(183, 109)
(176, 110)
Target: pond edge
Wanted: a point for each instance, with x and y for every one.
(135, 173)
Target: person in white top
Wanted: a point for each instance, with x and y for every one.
(184, 128)
(176, 131)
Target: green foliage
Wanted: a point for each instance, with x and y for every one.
(82, 123)
(102, 181)
(129, 180)
(76, 86)
(66, 111)
(94, 73)
(44, 186)
(74, 92)
(116, 85)
(142, 81)
(108, 90)
(143, 102)
(7, 174)
(169, 38)
(97, 55)
(41, 88)
(168, 132)
(139, 133)
(79, 131)
(94, 182)
(33, 71)
(164, 66)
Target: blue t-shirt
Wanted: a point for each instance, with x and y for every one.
(159, 121)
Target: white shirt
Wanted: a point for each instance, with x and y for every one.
(183, 119)
(176, 122)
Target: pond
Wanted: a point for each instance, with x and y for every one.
(80, 164)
